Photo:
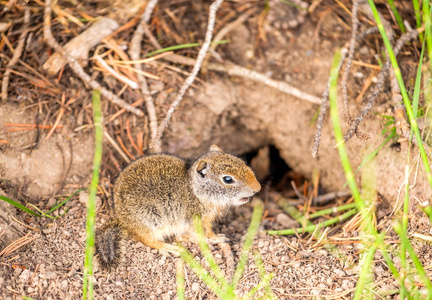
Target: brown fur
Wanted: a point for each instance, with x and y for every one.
(157, 196)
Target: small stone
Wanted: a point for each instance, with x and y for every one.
(50, 275)
(139, 245)
(364, 50)
(25, 275)
(397, 261)
(315, 292)
(379, 270)
(51, 202)
(195, 287)
(339, 272)
(17, 271)
(322, 252)
(166, 296)
(47, 230)
(83, 197)
(64, 284)
(286, 221)
(118, 283)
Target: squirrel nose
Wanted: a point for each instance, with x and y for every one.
(256, 186)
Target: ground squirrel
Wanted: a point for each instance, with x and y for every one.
(157, 196)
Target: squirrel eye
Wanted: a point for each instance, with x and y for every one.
(228, 180)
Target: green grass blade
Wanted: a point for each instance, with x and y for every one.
(91, 204)
(55, 207)
(43, 214)
(371, 156)
(418, 16)
(182, 46)
(202, 274)
(19, 206)
(331, 210)
(180, 279)
(398, 75)
(247, 246)
(428, 29)
(416, 261)
(417, 85)
(366, 268)
(265, 282)
(293, 212)
(312, 228)
(397, 15)
(263, 274)
(205, 249)
(349, 175)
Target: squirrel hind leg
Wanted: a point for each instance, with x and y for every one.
(110, 244)
(148, 238)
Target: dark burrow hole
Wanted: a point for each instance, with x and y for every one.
(271, 170)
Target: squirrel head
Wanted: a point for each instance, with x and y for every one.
(223, 179)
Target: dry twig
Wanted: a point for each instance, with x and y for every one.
(17, 244)
(17, 54)
(323, 110)
(117, 147)
(235, 70)
(324, 99)
(372, 96)
(212, 17)
(134, 52)
(379, 86)
(76, 67)
(355, 24)
(132, 84)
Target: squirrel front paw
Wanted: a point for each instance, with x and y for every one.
(218, 238)
(170, 250)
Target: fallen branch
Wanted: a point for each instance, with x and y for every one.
(134, 52)
(76, 67)
(80, 46)
(17, 54)
(212, 17)
(235, 70)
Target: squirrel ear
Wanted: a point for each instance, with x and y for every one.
(202, 168)
(215, 148)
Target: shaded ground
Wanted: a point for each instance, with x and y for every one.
(295, 51)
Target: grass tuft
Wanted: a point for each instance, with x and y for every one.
(220, 285)
(91, 204)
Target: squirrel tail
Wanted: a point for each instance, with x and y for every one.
(110, 243)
